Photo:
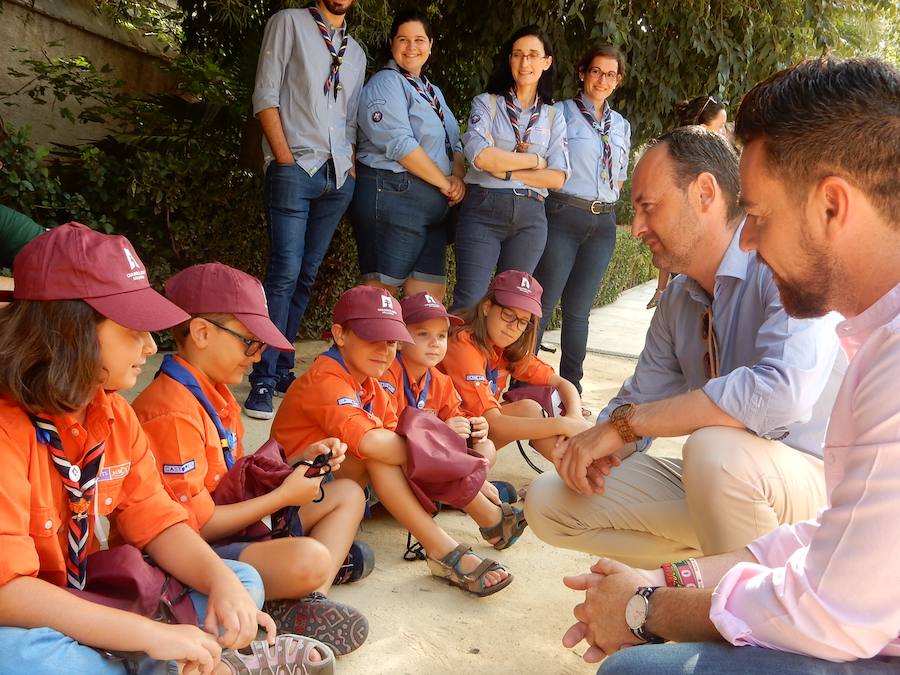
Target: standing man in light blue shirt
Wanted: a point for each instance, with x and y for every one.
(308, 83)
(581, 215)
(723, 363)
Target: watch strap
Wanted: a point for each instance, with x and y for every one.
(641, 633)
(619, 418)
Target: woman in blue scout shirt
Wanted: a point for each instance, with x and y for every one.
(581, 216)
(409, 168)
(515, 143)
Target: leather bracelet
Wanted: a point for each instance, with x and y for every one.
(508, 175)
(538, 158)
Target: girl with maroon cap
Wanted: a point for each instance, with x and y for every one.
(73, 451)
(495, 344)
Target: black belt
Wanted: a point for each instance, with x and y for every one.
(595, 207)
(518, 192)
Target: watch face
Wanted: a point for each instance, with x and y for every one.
(636, 612)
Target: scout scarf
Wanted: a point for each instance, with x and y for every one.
(513, 111)
(337, 56)
(431, 98)
(412, 399)
(333, 353)
(602, 131)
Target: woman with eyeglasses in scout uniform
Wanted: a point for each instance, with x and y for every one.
(581, 218)
(515, 143)
(409, 168)
(710, 113)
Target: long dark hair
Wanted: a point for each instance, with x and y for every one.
(501, 78)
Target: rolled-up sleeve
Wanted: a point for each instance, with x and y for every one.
(19, 555)
(557, 150)
(274, 54)
(623, 166)
(781, 388)
(384, 116)
(478, 134)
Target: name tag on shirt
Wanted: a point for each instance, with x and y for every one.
(387, 386)
(116, 472)
(179, 469)
(476, 378)
(348, 401)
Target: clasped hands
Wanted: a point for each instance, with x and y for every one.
(584, 461)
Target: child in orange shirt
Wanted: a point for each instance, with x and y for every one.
(497, 341)
(73, 451)
(340, 395)
(194, 425)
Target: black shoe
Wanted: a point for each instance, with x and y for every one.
(358, 564)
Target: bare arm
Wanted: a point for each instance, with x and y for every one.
(503, 426)
(680, 415)
(270, 120)
(494, 160)
(541, 178)
(569, 395)
(420, 165)
(230, 518)
(459, 165)
(682, 615)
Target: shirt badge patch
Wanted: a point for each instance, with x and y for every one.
(179, 469)
(377, 116)
(387, 386)
(346, 400)
(474, 119)
(116, 472)
(476, 378)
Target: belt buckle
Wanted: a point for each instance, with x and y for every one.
(520, 192)
(596, 204)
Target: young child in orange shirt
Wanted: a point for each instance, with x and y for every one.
(73, 451)
(340, 395)
(194, 425)
(497, 342)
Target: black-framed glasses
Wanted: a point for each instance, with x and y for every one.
(511, 318)
(252, 346)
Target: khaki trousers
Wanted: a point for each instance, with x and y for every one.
(730, 488)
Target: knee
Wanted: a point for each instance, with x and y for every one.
(486, 449)
(348, 495)
(542, 507)
(625, 662)
(310, 563)
(712, 457)
(530, 408)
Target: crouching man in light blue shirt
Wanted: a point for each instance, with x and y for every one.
(723, 363)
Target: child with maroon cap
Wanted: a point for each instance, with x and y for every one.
(194, 425)
(340, 395)
(497, 342)
(73, 452)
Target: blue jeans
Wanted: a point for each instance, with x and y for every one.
(40, 651)
(579, 247)
(693, 658)
(497, 230)
(399, 222)
(303, 212)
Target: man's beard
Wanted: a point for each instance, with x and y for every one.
(810, 295)
(336, 8)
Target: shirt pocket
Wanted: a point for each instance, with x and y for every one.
(108, 495)
(539, 140)
(619, 149)
(43, 522)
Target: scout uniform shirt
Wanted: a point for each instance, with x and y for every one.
(434, 392)
(480, 383)
(185, 440)
(328, 402)
(34, 507)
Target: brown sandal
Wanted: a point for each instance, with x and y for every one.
(511, 526)
(473, 582)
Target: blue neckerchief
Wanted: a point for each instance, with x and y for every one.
(182, 376)
(491, 374)
(407, 387)
(333, 353)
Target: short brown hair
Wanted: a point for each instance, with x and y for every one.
(826, 117)
(476, 322)
(50, 354)
(181, 331)
(593, 52)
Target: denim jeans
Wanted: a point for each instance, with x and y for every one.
(44, 651)
(303, 212)
(400, 226)
(693, 658)
(497, 231)
(579, 247)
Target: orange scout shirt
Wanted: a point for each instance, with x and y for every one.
(468, 368)
(34, 508)
(442, 399)
(326, 401)
(184, 438)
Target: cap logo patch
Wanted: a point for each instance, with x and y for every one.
(135, 272)
(387, 306)
(430, 300)
(525, 285)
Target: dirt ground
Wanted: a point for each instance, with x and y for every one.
(420, 625)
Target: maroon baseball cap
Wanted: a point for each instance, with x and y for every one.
(423, 307)
(519, 290)
(213, 287)
(372, 313)
(74, 262)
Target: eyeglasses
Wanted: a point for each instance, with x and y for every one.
(598, 74)
(709, 99)
(511, 318)
(531, 56)
(253, 347)
(711, 355)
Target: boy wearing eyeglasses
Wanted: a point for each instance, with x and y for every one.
(194, 425)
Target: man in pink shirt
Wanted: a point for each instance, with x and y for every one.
(819, 181)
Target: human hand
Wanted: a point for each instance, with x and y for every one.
(297, 489)
(601, 617)
(574, 457)
(571, 426)
(197, 651)
(456, 191)
(335, 446)
(599, 470)
(460, 425)
(490, 491)
(232, 616)
(479, 427)
(541, 162)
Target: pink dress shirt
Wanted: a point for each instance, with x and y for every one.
(830, 587)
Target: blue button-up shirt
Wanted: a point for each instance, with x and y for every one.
(293, 66)
(586, 153)
(779, 375)
(394, 120)
(489, 126)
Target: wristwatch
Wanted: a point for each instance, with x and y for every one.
(619, 418)
(636, 612)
